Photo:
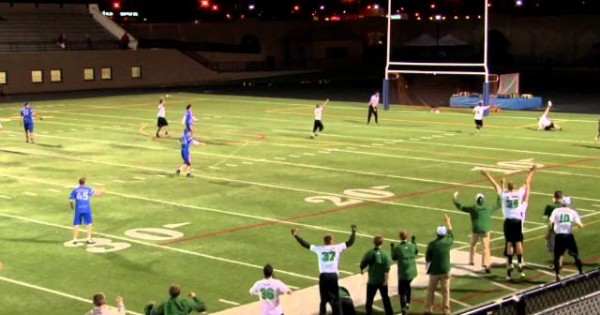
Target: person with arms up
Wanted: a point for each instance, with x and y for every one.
(437, 259)
(28, 114)
(187, 140)
(481, 225)
(176, 304)
(545, 123)
(328, 256)
(513, 207)
(80, 201)
(373, 105)
(268, 290)
(378, 262)
(562, 221)
(478, 113)
(318, 125)
(406, 254)
(100, 307)
(188, 119)
(162, 119)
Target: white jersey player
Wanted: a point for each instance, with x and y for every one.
(268, 291)
(478, 113)
(562, 221)
(545, 123)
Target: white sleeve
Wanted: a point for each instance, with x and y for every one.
(577, 218)
(281, 287)
(314, 249)
(254, 289)
(340, 247)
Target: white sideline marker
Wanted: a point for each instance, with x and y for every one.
(28, 193)
(161, 175)
(229, 302)
(308, 154)
(175, 225)
(426, 138)
(139, 178)
(449, 134)
(119, 181)
(231, 165)
(415, 139)
(351, 148)
(247, 163)
(437, 136)
(214, 167)
(293, 287)
(378, 144)
(346, 272)
(325, 152)
(281, 159)
(294, 156)
(5, 197)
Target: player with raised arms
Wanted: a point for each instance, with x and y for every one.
(318, 125)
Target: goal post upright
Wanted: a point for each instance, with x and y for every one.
(410, 67)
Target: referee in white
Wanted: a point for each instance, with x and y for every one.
(562, 221)
(373, 105)
(329, 259)
(162, 120)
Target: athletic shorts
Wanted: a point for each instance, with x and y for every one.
(162, 121)
(513, 230)
(565, 242)
(85, 217)
(28, 126)
(479, 122)
(186, 156)
(550, 242)
(188, 127)
(549, 127)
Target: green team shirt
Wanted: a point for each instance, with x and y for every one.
(438, 254)
(379, 264)
(550, 208)
(481, 216)
(406, 254)
(178, 306)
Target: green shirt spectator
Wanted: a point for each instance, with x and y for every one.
(481, 215)
(438, 252)
(406, 254)
(549, 208)
(176, 305)
(379, 263)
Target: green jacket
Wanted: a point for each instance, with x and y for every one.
(379, 263)
(481, 216)
(406, 254)
(177, 306)
(549, 208)
(438, 254)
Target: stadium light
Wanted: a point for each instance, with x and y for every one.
(251, 7)
(117, 5)
(296, 8)
(519, 3)
(204, 3)
(322, 7)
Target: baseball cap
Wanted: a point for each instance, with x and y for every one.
(566, 201)
(441, 231)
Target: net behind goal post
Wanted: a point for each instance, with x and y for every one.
(396, 69)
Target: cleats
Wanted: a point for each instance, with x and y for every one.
(178, 172)
(189, 175)
(90, 241)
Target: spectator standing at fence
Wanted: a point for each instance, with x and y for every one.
(378, 262)
(373, 106)
(268, 290)
(176, 304)
(328, 256)
(481, 225)
(406, 254)
(437, 258)
(100, 307)
(562, 221)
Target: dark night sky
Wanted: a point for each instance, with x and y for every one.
(186, 10)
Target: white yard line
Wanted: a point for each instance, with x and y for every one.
(5, 197)
(28, 193)
(54, 292)
(119, 181)
(231, 165)
(229, 302)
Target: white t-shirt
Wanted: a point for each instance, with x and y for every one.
(161, 110)
(544, 122)
(479, 111)
(512, 204)
(268, 291)
(328, 256)
(563, 219)
(318, 113)
(374, 100)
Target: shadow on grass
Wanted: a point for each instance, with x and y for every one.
(13, 152)
(587, 146)
(31, 240)
(52, 146)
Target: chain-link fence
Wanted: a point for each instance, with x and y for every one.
(575, 295)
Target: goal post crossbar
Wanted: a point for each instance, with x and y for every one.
(476, 73)
(436, 64)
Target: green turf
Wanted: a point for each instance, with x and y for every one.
(250, 187)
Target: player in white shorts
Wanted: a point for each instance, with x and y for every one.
(545, 123)
(268, 290)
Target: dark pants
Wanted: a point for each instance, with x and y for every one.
(383, 290)
(404, 292)
(330, 293)
(318, 126)
(373, 112)
(566, 243)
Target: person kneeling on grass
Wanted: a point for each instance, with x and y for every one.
(176, 305)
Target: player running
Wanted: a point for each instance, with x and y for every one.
(268, 290)
(562, 221)
(514, 204)
(28, 114)
(187, 140)
(162, 120)
(188, 119)
(545, 123)
(478, 113)
(318, 125)
(80, 202)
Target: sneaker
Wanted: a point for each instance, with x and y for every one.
(312, 135)
(316, 134)
(157, 135)
(520, 269)
(177, 172)
(75, 242)
(509, 271)
(189, 175)
(90, 241)
(488, 270)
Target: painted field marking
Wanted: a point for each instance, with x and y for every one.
(247, 163)
(294, 156)
(293, 287)
(426, 138)
(54, 292)
(351, 148)
(157, 175)
(173, 249)
(5, 197)
(415, 139)
(279, 159)
(139, 178)
(53, 190)
(346, 272)
(229, 302)
(585, 210)
(28, 193)
(377, 144)
(437, 136)
(214, 167)
(176, 225)
(308, 154)
(463, 304)
(119, 181)
(231, 165)
(324, 152)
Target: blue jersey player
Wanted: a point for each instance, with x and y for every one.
(28, 113)
(188, 119)
(80, 202)
(187, 140)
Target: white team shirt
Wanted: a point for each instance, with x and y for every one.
(268, 291)
(478, 111)
(512, 204)
(544, 122)
(563, 219)
(319, 113)
(328, 256)
(161, 110)
(374, 100)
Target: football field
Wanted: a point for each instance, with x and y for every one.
(258, 175)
